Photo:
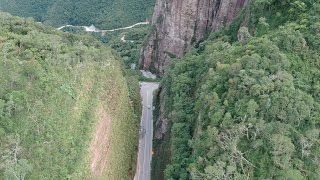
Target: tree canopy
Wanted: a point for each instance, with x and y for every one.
(102, 13)
(249, 108)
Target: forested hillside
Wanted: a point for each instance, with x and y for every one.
(105, 14)
(66, 111)
(245, 104)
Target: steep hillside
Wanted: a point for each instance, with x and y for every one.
(65, 111)
(245, 103)
(106, 14)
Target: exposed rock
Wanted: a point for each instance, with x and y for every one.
(179, 24)
(162, 122)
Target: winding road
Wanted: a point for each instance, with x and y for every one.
(92, 28)
(143, 171)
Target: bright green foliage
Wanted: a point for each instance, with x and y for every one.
(250, 109)
(102, 13)
(53, 87)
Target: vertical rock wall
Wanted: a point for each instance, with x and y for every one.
(179, 24)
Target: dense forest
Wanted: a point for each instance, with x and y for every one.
(56, 90)
(105, 14)
(245, 103)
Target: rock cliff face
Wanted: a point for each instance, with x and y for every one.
(179, 24)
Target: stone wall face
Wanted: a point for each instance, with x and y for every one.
(179, 24)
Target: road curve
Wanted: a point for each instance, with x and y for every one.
(143, 171)
(94, 29)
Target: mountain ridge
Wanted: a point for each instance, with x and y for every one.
(105, 14)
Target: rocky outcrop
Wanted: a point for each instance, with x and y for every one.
(161, 126)
(179, 24)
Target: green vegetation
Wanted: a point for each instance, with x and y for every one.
(130, 49)
(245, 103)
(102, 13)
(55, 89)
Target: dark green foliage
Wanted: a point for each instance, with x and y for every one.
(251, 109)
(130, 49)
(102, 13)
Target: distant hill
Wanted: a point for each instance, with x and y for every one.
(101, 13)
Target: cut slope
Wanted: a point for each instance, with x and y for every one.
(100, 145)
